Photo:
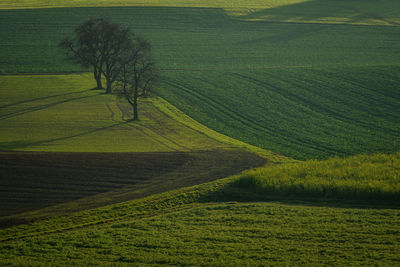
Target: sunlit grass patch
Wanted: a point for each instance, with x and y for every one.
(63, 113)
(362, 177)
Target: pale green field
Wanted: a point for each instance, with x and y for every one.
(254, 10)
(63, 113)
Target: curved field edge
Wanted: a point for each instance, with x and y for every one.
(304, 113)
(87, 120)
(181, 117)
(64, 115)
(222, 190)
(239, 4)
(37, 185)
(188, 225)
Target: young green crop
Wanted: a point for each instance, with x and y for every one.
(310, 90)
(315, 11)
(301, 112)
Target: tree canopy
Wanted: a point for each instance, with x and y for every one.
(118, 55)
(139, 73)
(99, 43)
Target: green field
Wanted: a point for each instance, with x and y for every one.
(211, 60)
(244, 84)
(119, 160)
(363, 177)
(304, 113)
(63, 113)
(202, 226)
(221, 235)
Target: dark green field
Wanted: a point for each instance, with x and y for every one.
(301, 112)
(306, 90)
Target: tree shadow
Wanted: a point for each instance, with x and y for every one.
(230, 193)
(44, 106)
(21, 144)
(327, 10)
(40, 98)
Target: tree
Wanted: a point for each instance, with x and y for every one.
(99, 44)
(138, 74)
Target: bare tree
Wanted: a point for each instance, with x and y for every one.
(138, 74)
(99, 44)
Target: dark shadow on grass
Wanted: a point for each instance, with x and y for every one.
(231, 193)
(320, 10)
(290, 34)
(40, 98)
(41, 107)
(15, 145)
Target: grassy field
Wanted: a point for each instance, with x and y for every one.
(221, 235)
(211, 60)
(198, 38)
(199, 226)
(63, 113)
(304, 113)
(312, 11)
(307, 79)
(363, 177)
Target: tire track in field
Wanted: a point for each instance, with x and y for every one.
(124, 111)
(383, 100)
(319, 108)
(112, 112)
(153, 133)
(225, 110)
(186, 127)
(294, 98)
(39, 99)
(42, 107)
(250, 122)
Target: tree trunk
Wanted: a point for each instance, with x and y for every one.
(97, 77)
(108, 89)
(135, 113)
(135, 106)
(99, 84)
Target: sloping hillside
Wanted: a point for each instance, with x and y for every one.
(263, 65)
(90, 152)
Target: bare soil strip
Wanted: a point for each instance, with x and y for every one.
(36, 180)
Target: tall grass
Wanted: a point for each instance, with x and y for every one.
(363, 177)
